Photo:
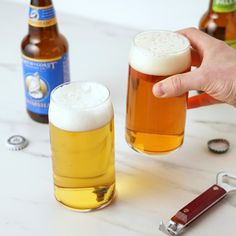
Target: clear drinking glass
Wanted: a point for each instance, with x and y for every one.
(81, 121)
(156, 125)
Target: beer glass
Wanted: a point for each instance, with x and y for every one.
(82, 144)
(155, 125)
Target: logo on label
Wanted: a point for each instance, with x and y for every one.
(34, 14)
(40, 78)
(36, 86)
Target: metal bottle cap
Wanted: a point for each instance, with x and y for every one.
(218, 146)
(16, 143)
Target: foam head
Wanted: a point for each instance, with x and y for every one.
(80, 106)
(160, 53)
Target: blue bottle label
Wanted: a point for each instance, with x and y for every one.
(40, 78)
(42, 16)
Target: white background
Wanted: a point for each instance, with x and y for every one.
(140, 14)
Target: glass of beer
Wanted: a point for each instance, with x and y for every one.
(156, 125)
(81, 120)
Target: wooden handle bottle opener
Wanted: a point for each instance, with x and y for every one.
(199, 205)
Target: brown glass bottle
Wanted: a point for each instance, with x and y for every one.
(220, 21)
(45, 56)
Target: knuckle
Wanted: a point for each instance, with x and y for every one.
(229, 94)
(205, 80)
(176, 84)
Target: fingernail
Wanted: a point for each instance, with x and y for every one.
(158, 90)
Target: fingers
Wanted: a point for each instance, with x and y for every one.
(198, 39)
(178, 84)
(201, 100)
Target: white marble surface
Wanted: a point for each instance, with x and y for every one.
(150, 189)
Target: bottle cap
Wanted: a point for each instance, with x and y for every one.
(218, 146)
(16, 143)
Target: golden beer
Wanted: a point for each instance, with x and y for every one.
(82, 143)
(155, 125)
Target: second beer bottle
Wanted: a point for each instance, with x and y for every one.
(45, 59)
(220, 21)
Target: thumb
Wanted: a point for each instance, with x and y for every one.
(177, 85)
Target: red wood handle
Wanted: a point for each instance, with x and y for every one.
(199, 205)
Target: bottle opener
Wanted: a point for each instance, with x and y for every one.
(199, 205)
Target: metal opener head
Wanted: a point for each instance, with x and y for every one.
(171, 228)
(222, 178)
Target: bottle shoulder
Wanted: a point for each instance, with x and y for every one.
(46, 46)
(219, 25)
(205, 17)
(220, 19)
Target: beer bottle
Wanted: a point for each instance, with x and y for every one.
(44, 58)
(220, 21)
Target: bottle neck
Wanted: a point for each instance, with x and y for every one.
(42, 18)
(41, 3)
(210, 5)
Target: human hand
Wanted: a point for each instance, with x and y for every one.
(215, 75)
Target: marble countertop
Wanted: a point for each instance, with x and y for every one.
(150, 189)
